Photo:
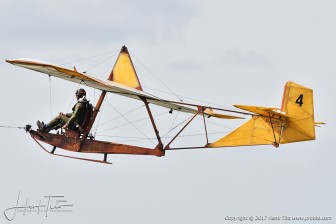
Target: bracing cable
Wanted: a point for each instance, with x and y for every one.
(50, 98)
(129, 122)
(83, 59)
(162, 83)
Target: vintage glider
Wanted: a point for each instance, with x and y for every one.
(294, 122)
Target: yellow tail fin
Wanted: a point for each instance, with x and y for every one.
(294, 123)
(298, 104)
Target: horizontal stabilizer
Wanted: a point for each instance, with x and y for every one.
(264, 111)
(211, 113)
(256, 131)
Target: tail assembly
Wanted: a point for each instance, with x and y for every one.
(272, 126)
(298, 104)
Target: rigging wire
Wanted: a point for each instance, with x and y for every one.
(232, 129)
(79, 85)
(94, 94)
(99, 63)
(142, 119)
(96, 127)
(130, 122)
(83, 59)
(229, 128)
(140, 138)
(8, 126)
(170, 129)
(135, 109)
(50, 97)
(171, 92)
(187, 97)
(179, 124)
(152, 73)
(123, 116)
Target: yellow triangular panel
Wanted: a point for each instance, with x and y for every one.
(256, 131)
(124, 72)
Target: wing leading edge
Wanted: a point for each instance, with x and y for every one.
(131, 90)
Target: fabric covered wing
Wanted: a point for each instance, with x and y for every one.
(104, 85)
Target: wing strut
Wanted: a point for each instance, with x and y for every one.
(275, 143)
(205, 127)
(160, 145)
(94, 115)
(95, 112)
(167, 146)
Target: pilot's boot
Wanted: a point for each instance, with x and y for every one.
(42, 126)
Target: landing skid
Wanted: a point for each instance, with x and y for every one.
(71, 157)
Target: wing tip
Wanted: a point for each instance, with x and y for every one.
(26, 61)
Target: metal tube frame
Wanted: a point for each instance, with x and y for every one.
(160, 145)
(168, 145)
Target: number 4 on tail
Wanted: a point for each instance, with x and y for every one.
(299, 100)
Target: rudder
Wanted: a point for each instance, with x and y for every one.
(298, 104)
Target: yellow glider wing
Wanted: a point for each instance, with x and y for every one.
(91, 81)
(118, 86)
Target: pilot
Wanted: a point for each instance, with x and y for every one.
(72, 120)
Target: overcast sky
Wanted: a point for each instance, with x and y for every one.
(223, 52)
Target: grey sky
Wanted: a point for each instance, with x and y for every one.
(224, 52)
